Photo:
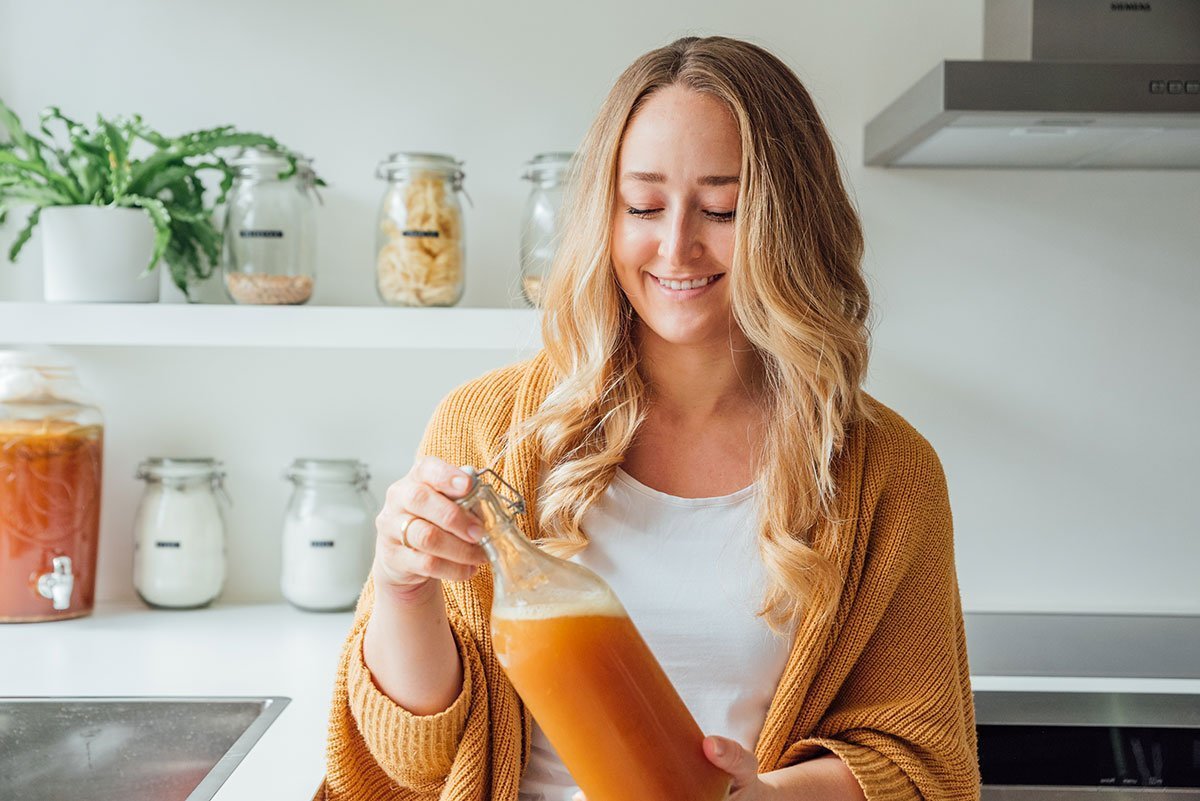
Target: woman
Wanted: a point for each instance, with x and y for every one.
(695, 430)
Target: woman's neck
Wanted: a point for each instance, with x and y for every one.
(702, 381)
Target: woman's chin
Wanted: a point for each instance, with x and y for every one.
(685, 333)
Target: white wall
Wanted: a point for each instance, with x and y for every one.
(1037, 327)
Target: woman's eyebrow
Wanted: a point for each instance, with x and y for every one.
(659, 178)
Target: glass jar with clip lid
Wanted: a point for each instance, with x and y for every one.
(269, 250)
(420, 245)
(540, 223)
(580, 665)
(328, 534)
(179, 533)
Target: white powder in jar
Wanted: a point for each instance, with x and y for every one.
(179, 546)
(327, 555)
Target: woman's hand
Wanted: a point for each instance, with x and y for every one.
(422, 535)
(729, 756)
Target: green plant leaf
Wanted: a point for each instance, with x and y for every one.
(148, 134)
(24, 234)
(11, 164)
(161, 219)
(36, 194)
(200, 143)
(183, 262)
(116, 144)
(28, 143)
(165, 178)
(54, 114)
(188, 194)
(207, 239)
(62, 155)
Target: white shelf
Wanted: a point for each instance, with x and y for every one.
(180, 324)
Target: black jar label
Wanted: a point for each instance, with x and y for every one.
(163, 544)
(422, 234)
(260, 234)
(321, 543)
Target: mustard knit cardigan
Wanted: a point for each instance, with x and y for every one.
(885, 686)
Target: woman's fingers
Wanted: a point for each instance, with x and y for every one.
(422, 494)
(424, 537)
(731, 757)
(422, 533)
(442, 476)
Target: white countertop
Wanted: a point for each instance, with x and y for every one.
(272, 650)
(228, 650)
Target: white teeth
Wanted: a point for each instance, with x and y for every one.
(693, 284)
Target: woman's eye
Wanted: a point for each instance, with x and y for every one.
(717, 216)
(640, 212)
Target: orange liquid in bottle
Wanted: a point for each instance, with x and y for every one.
(50, 472)
(605, 704)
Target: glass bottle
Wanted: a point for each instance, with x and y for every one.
(51, 455)
(328, 534)
(587, 676)
(269, 249)
(540, 221)
(179, 539)
(420, 243)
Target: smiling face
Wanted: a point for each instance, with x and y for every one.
(673, 229)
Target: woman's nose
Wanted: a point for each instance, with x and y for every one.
(680, 245)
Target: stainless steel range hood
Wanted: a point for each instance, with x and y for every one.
(1087, 84)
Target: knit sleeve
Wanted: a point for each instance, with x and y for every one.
(903, 716)
(379, 751)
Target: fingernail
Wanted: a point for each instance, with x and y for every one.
(476, 533)
(460, 483)
(718, 748)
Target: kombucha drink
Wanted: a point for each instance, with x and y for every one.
(584, 671)
(50, 475)
(604, 702)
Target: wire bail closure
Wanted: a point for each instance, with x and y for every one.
(516, 503)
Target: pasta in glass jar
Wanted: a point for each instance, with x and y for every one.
(420, 249)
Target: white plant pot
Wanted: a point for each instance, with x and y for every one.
(98, 254)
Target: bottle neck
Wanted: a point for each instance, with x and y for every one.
(517, 565)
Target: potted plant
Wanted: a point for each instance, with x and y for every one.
(117, 198)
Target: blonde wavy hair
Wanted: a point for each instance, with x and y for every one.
(798, 293)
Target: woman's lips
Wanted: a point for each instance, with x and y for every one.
(685, 289)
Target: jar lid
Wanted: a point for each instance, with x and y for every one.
(404, 162)
(268, 163)
(39, 374)
(159, 467)
(350, 471)
(547, 167)
(35, 359)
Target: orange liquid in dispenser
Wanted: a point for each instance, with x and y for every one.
(604, 702)
(50, 474)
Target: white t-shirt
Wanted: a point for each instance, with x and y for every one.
(688, 572)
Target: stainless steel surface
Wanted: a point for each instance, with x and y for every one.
(126, 748)
(991, 793)
(57, 586)
(1168, 710)
(1084, 84)
(1060, 717)
(1091, 30)
(1124, 646)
